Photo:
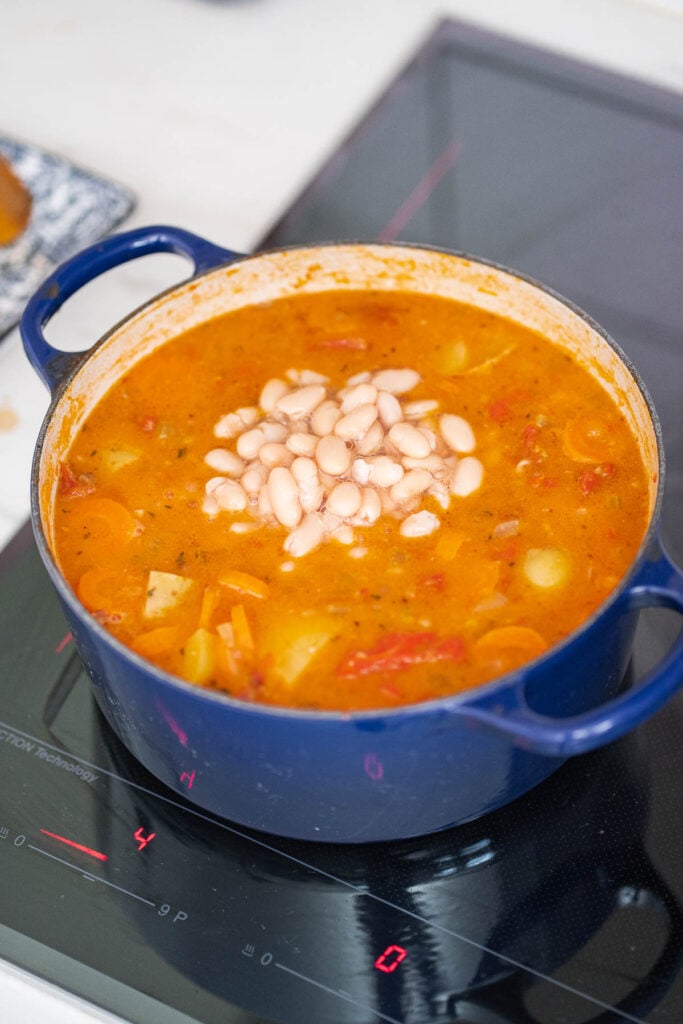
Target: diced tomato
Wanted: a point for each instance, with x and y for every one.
(401, 650)
(499, 410)
(588, 482)
(74, 486)
(591, 479)
(147, 424)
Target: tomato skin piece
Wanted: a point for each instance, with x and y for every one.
(72, 485)
(499, 410)
(401, 650)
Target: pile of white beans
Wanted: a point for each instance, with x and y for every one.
(321, 462)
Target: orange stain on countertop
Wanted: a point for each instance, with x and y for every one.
(8, 419)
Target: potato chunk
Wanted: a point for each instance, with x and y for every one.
(165, 590)
(294, 640)
(546, 567)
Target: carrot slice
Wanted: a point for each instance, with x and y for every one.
(210, 601)
(104, 524)
(587, 439)
(508, 647)
(240, 628)
(156, 642)
(245, 583)
(108, 590)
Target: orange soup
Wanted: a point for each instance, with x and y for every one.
(350, 500)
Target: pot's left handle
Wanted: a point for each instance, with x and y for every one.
(51, 364)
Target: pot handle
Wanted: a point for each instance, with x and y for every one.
(51, 364)
(658, 583)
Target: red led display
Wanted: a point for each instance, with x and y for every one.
(75, 845)
(142, 839)
(389, 960)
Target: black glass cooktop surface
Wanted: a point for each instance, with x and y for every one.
(563, 908)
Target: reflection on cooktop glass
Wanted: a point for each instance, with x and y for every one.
(562, 908)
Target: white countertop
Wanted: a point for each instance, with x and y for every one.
(216, 113)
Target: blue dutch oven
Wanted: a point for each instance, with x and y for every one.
(367, 776)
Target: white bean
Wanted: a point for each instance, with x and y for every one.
(230, 496)
(360, 378)
(228, 426)
(253, 479)
(332, 455)
(224, 461)
(344, 534)
(416, 410)
(344, 500)
(409, 440)
(274, 431)
(284, 496)
(306, 537)
(430, 435)
(361, 394)
(264, 506)
(433, 462)
(304, 469)
(306, 377)
(384, 472)
(457, 433)
(370, 507)
(325, 417)
(302, 401)
(420, 524)
(211, 485)
(356, 424)
(440, 493)
(330, 522)
(249, 415)
(389, 407)
(360, 471)
(311, 492)
(272, 392)
(467, 477)
(396, 381)
(272, 454)
(210, 505)
(372, 440)
(302, 444)
(249, 443)
(413, 483)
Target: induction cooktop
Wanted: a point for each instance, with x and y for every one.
(563, 908)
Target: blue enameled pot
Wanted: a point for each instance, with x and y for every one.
(372, 775)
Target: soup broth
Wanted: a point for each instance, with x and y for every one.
(350, 500)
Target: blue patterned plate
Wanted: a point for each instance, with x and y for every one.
(71, 208)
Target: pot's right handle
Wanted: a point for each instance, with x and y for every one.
(658, 583)
(51, 364)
